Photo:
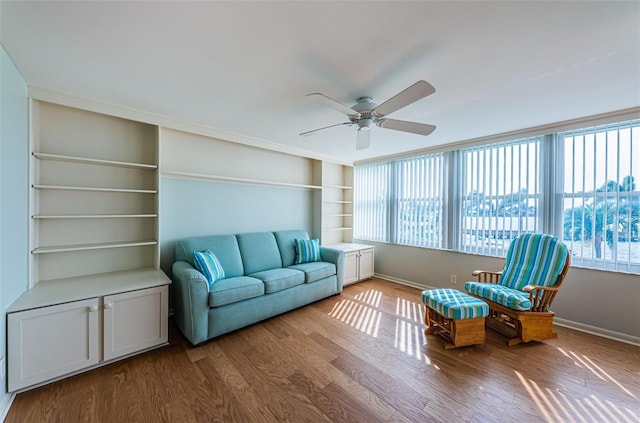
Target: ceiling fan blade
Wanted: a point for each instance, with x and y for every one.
(334, 104)
(364, 137)
(405, 126)
(326, 127)
(409, 95)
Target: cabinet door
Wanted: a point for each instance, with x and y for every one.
(366, 264)
(350, 267)
(48, 342)
(134, 321)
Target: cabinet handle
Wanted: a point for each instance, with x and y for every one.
(93, 308)
(108, 305)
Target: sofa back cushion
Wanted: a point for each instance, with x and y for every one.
(533, 259)
(285, 240)
(259, 252)
(225, 248)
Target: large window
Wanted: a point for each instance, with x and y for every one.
(580, 185)
(501, 194)
(600, 197)
(419, 201)
(400, 201)
(371, 202)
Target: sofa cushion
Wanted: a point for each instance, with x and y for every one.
(231, 290)
(286, 246)
(278, 279)
(225, 247)
(209, 265)
(307, 250)
(316, 270)
(259, 252)
(508, 297)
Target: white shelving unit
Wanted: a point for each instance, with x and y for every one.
(95, 286)
(336, 205)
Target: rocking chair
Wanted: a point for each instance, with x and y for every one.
(520, 295)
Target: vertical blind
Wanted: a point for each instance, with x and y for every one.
(600, 200)
(371, 202)
(500, 194)
(419, 201)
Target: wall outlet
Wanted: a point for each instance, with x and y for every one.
(454, 279)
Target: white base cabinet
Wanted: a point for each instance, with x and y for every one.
(358, 261)
(50, 340)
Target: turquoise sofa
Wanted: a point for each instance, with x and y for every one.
(260, 280)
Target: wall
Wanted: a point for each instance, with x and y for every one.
(14, 191)
(596, 301)
(206, 205)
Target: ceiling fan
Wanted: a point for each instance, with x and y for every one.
(365, 113)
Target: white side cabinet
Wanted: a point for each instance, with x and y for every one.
(51, 341)
(358, 261)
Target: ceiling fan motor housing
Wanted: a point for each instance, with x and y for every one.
(364, 107)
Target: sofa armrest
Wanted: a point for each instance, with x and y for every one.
(335, 256)
(191, 302)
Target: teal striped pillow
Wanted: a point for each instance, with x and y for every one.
(307, 250)
(209, 265)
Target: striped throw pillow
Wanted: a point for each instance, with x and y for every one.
(209, 265)
(307, 250)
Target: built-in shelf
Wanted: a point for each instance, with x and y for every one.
(86, 247)
(92, 216)
(98, 189)
(203, 176)
(98, 162)
(337, 186)
(338, 229)
(338, 202)
(339, 214)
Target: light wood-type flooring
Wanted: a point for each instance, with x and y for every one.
(357, 357)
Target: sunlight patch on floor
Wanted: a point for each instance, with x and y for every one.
(586, 363)
(360, 313)
(555, 406)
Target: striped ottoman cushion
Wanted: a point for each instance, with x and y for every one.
(454, 304)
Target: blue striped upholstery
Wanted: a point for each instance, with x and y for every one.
(454, 304)
(533, 259)
(209, 265)
(307, 250)
(508, 297)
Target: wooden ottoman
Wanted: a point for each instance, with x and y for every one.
(457, 317)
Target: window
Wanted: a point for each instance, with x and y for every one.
(419, 201)
(370, 203)
(500, 189)
(581, 185)
(599, 195)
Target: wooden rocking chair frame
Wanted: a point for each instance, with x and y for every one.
(535, 324)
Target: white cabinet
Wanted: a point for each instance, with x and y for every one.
(51, 338)
(358, 261)
(52, 341)
(134, 321)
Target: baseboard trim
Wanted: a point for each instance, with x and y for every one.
(582, 327)
(594, 330)
(6, 404)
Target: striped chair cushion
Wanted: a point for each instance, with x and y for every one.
(508, 297)
(454, 304)
(307, 250)
(533, 259)
(209, 265)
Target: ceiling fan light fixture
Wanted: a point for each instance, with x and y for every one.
(365, 124)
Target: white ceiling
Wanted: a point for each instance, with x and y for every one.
(245, 67)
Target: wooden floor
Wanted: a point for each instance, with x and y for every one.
(357, 357)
